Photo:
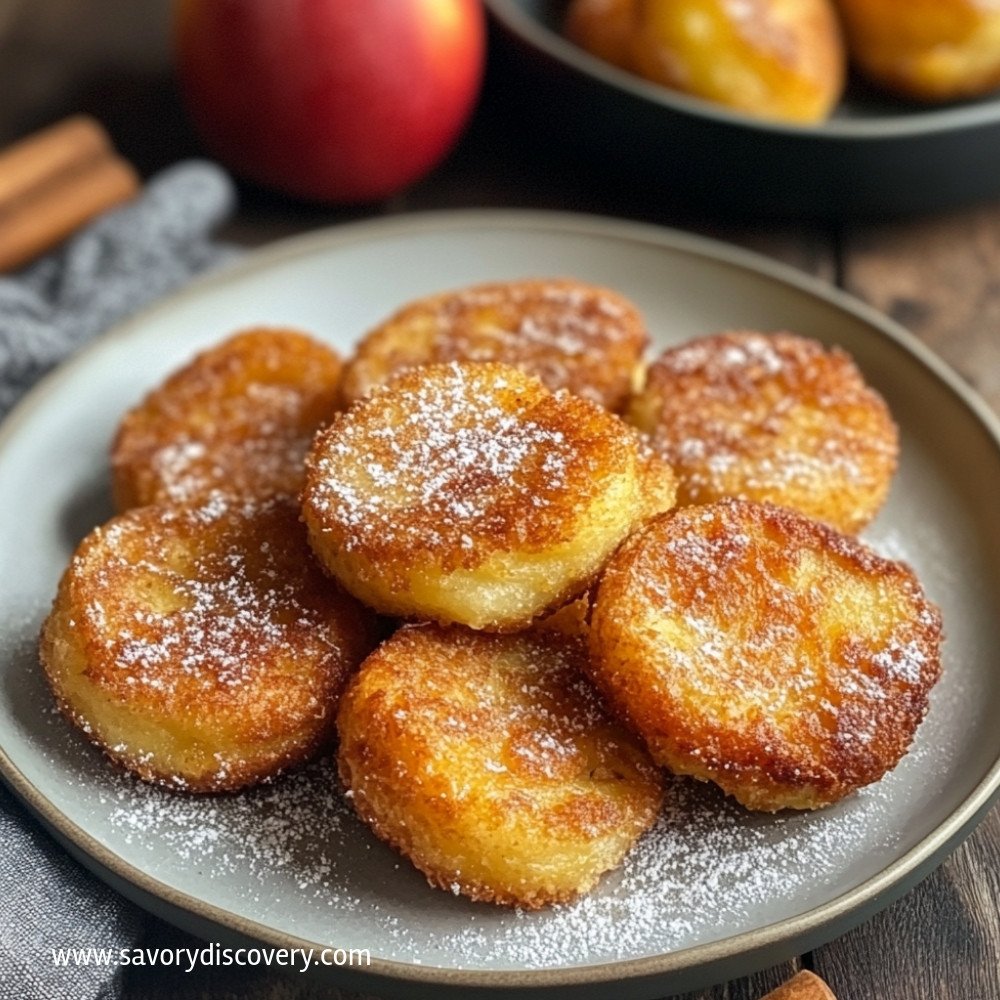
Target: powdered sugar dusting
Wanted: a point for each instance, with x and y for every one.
(457, 459)
(707, 869)
(292, 856)
(752, 358)
(569, 334)
(187, 471)
(213, 607)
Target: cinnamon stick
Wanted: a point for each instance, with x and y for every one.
(41, 157)
(803, 986)
(47, 214)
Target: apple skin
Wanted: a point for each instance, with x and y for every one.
(340, 101)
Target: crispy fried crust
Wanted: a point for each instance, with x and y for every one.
(570, 619)
(765, 652)
(930, 50)
(238, 418)
(569, 334)
(469, 493)
(490, 763)
(770, 417)
(202, 649)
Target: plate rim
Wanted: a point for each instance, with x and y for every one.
(869, 896)
(921, 122)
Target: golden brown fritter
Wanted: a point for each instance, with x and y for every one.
(202, 649)
(469, 493)
(770, 417)
(490, 763)
(930, 50)
(569, 334)
(239, 419)
(774, 59)
(755, 648)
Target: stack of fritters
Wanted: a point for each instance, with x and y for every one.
(558, 625)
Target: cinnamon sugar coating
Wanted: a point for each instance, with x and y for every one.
(238, 418)
(569, 334)
(755, 648)
(489, 761)
(770, 417)
(469, 493)
(202, 648)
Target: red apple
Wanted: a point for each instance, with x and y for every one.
(334, 100)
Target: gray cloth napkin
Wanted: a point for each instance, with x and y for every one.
(119, 263)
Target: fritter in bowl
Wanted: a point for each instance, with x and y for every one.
(926, 50)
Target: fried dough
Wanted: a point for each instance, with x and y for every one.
(569, 334)
(202, 649)
(239, 419)
(770, 417)
(490, 763)
(752, 647)
(470, 494)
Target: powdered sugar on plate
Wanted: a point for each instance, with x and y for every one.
(292, 856)
(706, 870)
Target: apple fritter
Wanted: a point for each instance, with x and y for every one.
(775, 59)
(770, 417)
(752, 647)
(471, 494)
(926, 50)
(238, 419)
(489, 761)
(202, 648)
(571, 335)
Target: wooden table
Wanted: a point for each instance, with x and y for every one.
(939, 276)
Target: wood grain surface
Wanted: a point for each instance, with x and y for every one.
(938, 276)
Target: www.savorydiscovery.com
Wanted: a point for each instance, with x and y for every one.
(213, 955)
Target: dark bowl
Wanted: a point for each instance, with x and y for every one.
(874, 157)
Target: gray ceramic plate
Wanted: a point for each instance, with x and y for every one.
(714, 891)
(875, 156)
